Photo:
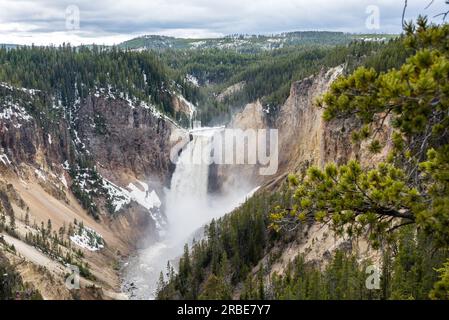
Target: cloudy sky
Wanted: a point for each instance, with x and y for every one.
(113, 21)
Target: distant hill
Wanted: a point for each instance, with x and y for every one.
(9, 46)
(250, 43)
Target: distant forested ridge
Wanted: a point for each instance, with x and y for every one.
(245, 43)
(152, 76)
(266, 65)
(268, 75)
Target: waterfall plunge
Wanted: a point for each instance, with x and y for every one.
(189, 206)
(187, 203)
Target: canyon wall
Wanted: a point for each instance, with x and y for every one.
(306, 139)
(103, 152)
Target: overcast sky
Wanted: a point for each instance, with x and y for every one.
(112, 21)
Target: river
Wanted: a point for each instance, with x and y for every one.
(188, 207)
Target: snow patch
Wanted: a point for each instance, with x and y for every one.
(120, 197)
(26, 90)
(190, 105)
(64, 181)
(66, 165)
(4, 158)
(40, 174)
(192, 79)
(88, 238)
(15, 111)
(197, 44)
(146, 199)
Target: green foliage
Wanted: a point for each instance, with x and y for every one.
(413, 187)
(271, 78)
(353, 200)
(232, 246)
(435, 218)
(87, 185)
(406, 272)
(409, 265)
(215, 288)
(441, 289)
(392, 55)
(208, 66)
(342, 279)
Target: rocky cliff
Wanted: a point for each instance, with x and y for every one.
(305, 139)
(80, 185)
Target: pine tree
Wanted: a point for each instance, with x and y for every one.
(61, 232)
(43, 231)
(2, 220)
(12, 221)
(49, 228)
(27, 217)
(441, 289)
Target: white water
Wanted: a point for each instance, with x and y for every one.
(188, 208)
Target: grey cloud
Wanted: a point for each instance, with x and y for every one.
(25, 18)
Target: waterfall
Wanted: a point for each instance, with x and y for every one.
(187, 201)
(188, 207)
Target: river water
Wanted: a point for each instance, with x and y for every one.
(188, 207)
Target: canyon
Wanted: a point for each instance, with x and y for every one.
(148, 206)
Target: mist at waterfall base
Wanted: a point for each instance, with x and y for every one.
(188, 207)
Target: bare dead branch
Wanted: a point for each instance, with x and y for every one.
(443, 14)
(403, 13)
